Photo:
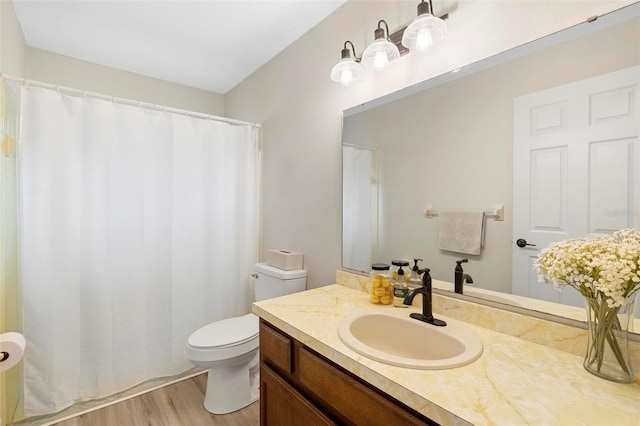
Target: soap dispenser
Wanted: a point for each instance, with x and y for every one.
(400, 288)
(414, 279)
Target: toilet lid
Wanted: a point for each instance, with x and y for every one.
(227, 332)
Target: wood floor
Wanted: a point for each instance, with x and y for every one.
(179, 404)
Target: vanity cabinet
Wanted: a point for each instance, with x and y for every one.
(300, 387)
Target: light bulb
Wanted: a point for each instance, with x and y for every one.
(424, 31)
(424, 41)
(346, 77)
(380, 61)
(347, 71)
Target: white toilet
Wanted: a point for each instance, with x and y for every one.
(229, 348)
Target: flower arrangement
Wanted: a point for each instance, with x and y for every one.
(606, 271)
(604, 267)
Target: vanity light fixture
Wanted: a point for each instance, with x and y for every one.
(386, 48)
(348, 70)
(425, 30)
(382, 51)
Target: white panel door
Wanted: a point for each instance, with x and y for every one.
(576, 165)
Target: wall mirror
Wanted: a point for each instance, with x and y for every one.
(452, 142)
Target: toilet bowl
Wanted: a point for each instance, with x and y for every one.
(229, 348)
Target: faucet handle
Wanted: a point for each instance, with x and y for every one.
(465, 260)
(426, 277)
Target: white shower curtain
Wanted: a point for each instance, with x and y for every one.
(137, 227)
(359, 208)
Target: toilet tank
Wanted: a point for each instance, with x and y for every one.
(274, 282)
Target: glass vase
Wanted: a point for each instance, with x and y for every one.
(608, 345)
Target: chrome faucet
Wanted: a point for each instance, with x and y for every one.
(425, 291)
(460, 277)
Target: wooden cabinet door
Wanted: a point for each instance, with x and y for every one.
(282, 405)
(353, 402)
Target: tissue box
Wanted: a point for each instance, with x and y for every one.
(284, 259)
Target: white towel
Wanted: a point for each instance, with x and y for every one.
(461, 231)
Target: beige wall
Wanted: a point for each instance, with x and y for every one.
(300, 107)
(12, 44)
(13, 62)
(65, 71)
(10, 307)
(19, 60)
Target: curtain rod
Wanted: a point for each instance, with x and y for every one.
(125, 101)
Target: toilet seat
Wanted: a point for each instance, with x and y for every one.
(231, 339)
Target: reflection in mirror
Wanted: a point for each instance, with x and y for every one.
(505, 131)
(360, 207)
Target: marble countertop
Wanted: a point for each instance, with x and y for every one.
(514, 382)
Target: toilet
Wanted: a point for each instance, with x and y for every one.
(229, 348)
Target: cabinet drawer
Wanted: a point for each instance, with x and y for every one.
(280, 404)
(363, 405)
(275, 348)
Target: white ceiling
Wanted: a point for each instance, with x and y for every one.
(209, 44)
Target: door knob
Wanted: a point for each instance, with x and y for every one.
(521, 242)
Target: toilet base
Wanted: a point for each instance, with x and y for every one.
(233, 388)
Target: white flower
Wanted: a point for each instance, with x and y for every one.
(605, 267)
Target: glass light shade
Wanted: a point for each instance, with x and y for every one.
(346, 72)
(423, 32)
(379, 54)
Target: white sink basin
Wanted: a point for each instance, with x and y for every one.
(392, 337)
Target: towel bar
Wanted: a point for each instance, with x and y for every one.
(496, 214)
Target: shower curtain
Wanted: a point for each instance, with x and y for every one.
(359, 207)
(137, 227)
